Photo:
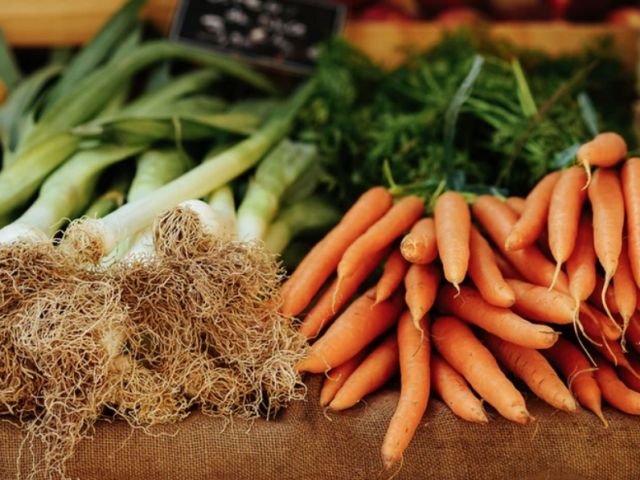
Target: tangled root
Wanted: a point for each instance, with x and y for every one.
(86, 242)
(196, 324)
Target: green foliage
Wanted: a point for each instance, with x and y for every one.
(519, 114)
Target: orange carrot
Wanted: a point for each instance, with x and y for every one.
(453, 224)
(471, 307)
(530, 366)
(375, 370)
(624, 287)
(575, 368)
(332, 299)
(607, 203)
(355, 328)
(506, 269)
(630, 178)
(337, 377)
(419, 244)
(485, 273)
(516, 204)
(392, 275)
(613, 352)
(454, 390)
(421, 286)
(596, 296)
(581, 264)
(604, 150)
(610, 330)
(414, 351)
(391, 226)
(540, 304)
(533, 217)
(614, 391)
(459, 346)
(629, 379)
(321, 261)
(633, 331)
(565, 206)
(497, 220)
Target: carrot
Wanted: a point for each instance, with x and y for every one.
(604, 150)
(471, 307)
(453, 224)
(321, 261)
(581, 264)
(414, 351)
(421, 286)
(375, 370)
(485, 273)
(633, 331)
(506, 269)
(455, 392)
(629, 379)
(614, 391)
(575, 368)
(530, 366)
(533, 217)
(459, 346)
(596, 296)
(613, 352)
(563, 218)
(392, 275)
(337, 377)
(607, 203)
(497, 220)
(540, 304)
(624, 287)
(392, 225)
(355, 328)
(516, 204)
(331, 300)
(630, 178)
(419, 244)
(610, 330)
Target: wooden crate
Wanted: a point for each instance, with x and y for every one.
(29, 23)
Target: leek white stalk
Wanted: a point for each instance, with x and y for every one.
(223, 202)
(154, 169)
(278, 171)
(96, 238)
(65, 193)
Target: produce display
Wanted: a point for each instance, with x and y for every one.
(473, 12)
(181, 232)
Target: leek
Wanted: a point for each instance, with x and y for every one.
(311, 214)
(65, 193)
(278, 171)
(97, 238)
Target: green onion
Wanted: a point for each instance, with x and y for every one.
(66, 193)
(92, 92)
(102, 236)
(17, 104)
(96, 50)
(223, 202)
(279, 170)
(10, 74)
(155, 168)
(113, 197)
(310, 214)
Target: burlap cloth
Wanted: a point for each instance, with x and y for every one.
(303, 443)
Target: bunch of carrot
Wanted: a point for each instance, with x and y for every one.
(542, 288)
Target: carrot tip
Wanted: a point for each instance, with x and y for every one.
(587, 169)
(555, 274)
